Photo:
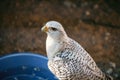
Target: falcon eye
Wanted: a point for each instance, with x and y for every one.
(54, 29)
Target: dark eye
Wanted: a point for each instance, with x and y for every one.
(54, 29)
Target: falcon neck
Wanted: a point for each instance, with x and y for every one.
(53, 45)
(58, 38)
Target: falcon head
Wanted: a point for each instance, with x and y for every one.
(54, 29)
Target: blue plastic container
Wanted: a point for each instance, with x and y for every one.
(25, 66)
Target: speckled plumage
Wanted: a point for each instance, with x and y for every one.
(67, 59)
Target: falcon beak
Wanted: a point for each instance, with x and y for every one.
(45, 29)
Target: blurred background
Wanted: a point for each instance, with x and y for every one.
(94, 24)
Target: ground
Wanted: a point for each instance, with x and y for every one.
(94, 24)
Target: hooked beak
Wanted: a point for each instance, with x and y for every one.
(45, 29)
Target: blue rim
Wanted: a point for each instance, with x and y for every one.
(22, 53)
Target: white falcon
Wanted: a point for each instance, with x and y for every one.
(68, 60)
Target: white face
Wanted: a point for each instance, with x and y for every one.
(54, 29)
